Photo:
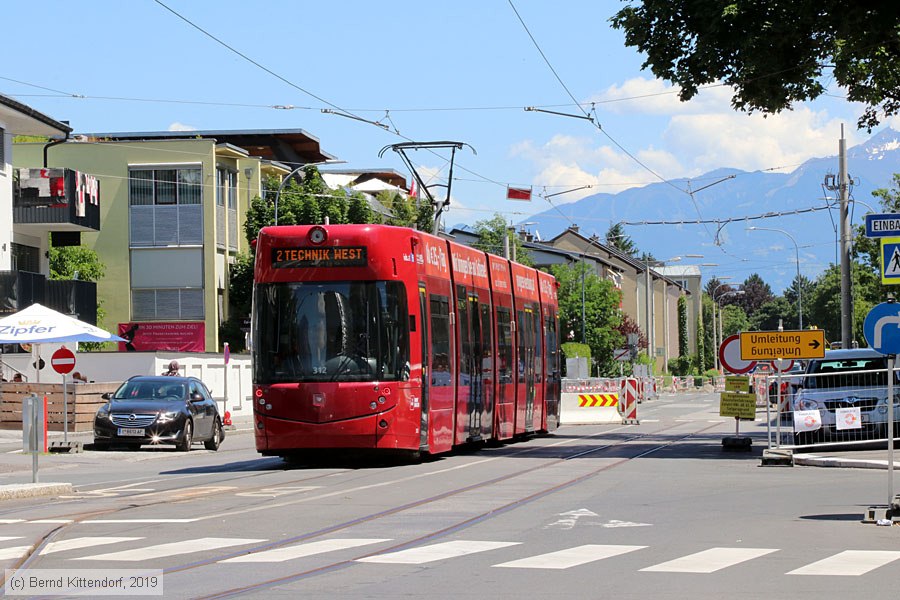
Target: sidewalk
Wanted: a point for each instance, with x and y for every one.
(848, 459)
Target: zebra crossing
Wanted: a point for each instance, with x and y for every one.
(847, 563)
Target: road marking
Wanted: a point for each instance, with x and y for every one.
(426, 554)
(301, 550)
(202, 491)
(52, 521)
(613, 524)
(84, 542)
(172, 549)
(571, 557)
(14, 552)
(274, 492)
(11, 521)
(6, 538)
(160, 521)
(849, 562)
(710, 560)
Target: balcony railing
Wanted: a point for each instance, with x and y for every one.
(63, 197)
(21, 289)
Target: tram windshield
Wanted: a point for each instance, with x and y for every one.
(330, 331)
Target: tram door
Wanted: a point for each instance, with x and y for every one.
(426, 368)
(470, 359)
(526, 334)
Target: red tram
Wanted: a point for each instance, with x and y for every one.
(380, 337)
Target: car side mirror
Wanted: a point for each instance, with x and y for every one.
(106, 395)
(196, 397)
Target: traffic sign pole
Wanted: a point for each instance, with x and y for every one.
(890, 431)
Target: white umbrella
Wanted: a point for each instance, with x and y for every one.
(38, 324)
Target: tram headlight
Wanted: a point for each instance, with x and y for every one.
(317, 235)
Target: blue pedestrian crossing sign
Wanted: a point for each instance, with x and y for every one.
(890, 260)
(882, 328)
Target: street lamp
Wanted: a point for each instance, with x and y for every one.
(799, 282)
(722, 310)
(281, 187)
(716, 341)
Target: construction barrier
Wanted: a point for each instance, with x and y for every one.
(589, 409)
(628, 402)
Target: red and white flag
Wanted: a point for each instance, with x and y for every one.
(513, 193)
(412, 188)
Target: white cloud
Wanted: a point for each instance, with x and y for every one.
(701, 135)
(176, 126)
(567, 162)
(640, 95)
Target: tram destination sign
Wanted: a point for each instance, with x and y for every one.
(884, 225)
(772, 345)
(333, 256)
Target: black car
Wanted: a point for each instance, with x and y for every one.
(159, 410)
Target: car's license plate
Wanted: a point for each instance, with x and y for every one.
(131, 431)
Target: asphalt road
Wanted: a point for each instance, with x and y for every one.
(655, 510)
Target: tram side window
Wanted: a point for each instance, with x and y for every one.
(487, 364)
(504, 346)
(465, 337)
(440, 337)
(551, 345)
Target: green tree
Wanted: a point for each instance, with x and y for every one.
(491, 234)
(769, 315)
(756, 293)
(683, 341)
(734, 320)
(601, 310)
(79, 262)
(616, 238)
(771, 52)
(75, 262)
(702, 363)
(825, 303)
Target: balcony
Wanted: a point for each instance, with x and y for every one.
(63, 201)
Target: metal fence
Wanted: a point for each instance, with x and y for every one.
(837, 405)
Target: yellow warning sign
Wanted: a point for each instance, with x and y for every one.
(737, 404)
(771, 345)
(737, 383)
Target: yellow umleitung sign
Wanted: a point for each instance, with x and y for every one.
(737, 404)
(771, 345)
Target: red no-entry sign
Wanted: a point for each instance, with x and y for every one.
(63, 361)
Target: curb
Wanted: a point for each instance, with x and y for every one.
(813, 460)
(33, 490)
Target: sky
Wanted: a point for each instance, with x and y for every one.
(460, 71)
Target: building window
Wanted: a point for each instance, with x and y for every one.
(165, 206)
(226, 188)
(2, 150)
(165, 186)
(167, 304)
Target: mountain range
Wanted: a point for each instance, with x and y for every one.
(665, 220)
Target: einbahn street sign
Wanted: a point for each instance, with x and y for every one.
(771, 345)
(886, 225)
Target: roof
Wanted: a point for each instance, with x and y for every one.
(292, 146)
(21, 119)
(358, 176)
(679, 270)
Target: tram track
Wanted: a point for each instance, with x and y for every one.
(32, 557)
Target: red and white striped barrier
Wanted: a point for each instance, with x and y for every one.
(628, 402)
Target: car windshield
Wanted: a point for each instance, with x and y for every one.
(150, 390)
(848, 372)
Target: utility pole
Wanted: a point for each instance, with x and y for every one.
(844, 186)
